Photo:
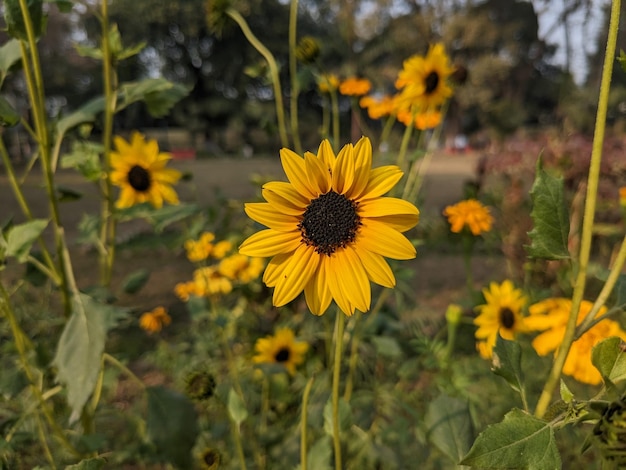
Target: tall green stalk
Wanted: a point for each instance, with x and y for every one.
(589, 213)
(339, 326)
(295, 87)
(271, 61)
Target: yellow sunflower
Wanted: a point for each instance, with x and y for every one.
(471, 214)
(281, 348)
(329, 228)
(423, 80)
(355, 86)
(138, 168)
(551, 316)
(501, 314)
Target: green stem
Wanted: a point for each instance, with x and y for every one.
(265, 404)
(237, 438)
(109, 222)
(614, 275)
(295, 88)
(588, 218)
(129, 373)
(303, 424)
(41, 433)
(404, 145)
(265, 52)
(339, 326)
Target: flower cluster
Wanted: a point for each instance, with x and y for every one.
(216, 279)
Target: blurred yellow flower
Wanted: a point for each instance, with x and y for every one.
(355, 86)
(307, 50)
(201, 249)
(378, 107)
(327, 83)
(184, 290)
(501, 314)
(281, 348)
(471, 214)
(138, 168)
(153, 321)
(330, 228)
(241, 268)
(209, 282)
(221, 249)
(422, 120)
(423, 81)
(551, 315)
(622, 196)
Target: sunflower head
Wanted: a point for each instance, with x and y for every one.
(200, 385)
(470, 214)
(307, 50)
(609, 433)
(138, 168)
(502, 313)
(329, 228)
(281, 349)
(209, 459)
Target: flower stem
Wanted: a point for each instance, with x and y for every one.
(303, 424)
(295, 88)
(588, 218)
(129, 373)
(404, 145)
(265, 52)
(339, 326)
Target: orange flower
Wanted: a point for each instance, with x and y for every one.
(153, 321)
(471, 214)
(355, 86)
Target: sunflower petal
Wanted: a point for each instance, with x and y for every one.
(275, 268)
(398, 213)
(280, 203)
(362, 166)
(343, 172)
(317, 293)
(265, 214)
(270, 242)
(377, 268)
(381, 180)
(296, 275)
(295, 170)
(326, 155)
(353, 278)
(330, 268)
(319, 176)
(384, 240)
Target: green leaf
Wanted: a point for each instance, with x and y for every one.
(8, 116)
(507, 362)
(65, 194)
(87, 464)
(550, 217)
(10, 55)
(135, 281)
(15, 21)
(158, 93)
(519, 441)
(566, 395)
(80, 350)
(387, 346)
(449, 426)
(21, 238)
(84, 158)
(236, 407)
(89, 230)
(608, 357)
(345, 416)
(86, 113)
(93, 52)
(320, 454)
(619, 291)
(172, 425)
(159, 218)
(64, 6)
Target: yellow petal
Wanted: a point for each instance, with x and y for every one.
(167, 175)
(317, 293)
(384, 240)
(281, 204)
(397, 213)
(377, 268)
(343, 172)
(270, 242)
(326, 155)
(275, 268)
(381, 180)
(296, 275)
(287, 191)
(319, 176)
(353, 278)
(333, 284)
(267, 215)
(295, 170)
(362, 166)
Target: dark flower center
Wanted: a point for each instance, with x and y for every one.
(282, 355)
(507, 318)
(330, 222)
(211, 458)
(139, 178)
(432, 80)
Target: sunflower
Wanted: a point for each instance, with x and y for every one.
(329, 228)
(423, 80)
(501, 314)
(355, 86)
(153, 321)
(138, 168)
(281, 348)
(551, 316)
(471, 214)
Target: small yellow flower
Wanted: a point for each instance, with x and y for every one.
(378, 107)
(328, 83)
(471, 214)
(355, 86)
(138, 168)
(501, 314)
(551, 316)
(209, 282)
(622, 196)
(281, 348)
(423, 120)
(221, 248)
(153, 321)
(201, 249)
(241, 268)
(184, 290)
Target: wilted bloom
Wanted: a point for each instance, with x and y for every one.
(423, 80)
(307, 50)
(209, 459)
(138, 168)
(281, 348)
(153, 321)
(551, 316)
(471, 214)
(355, 86)
(501, 314)
(199, 385)
(330, 228)
(327, 83)
(201, 249)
